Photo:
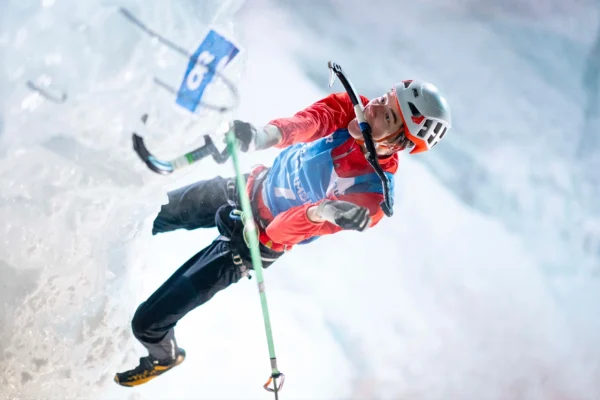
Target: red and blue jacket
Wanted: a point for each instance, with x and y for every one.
(320, 160)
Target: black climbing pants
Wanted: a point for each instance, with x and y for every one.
(204, 204)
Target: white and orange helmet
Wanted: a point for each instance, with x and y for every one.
(425, 113)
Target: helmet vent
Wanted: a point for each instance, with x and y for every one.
(414, 110)
(415, 92)
(443, 132)
(424, 129)
(407, 84)
(430, 139)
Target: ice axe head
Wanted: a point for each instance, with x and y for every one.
(333, 67)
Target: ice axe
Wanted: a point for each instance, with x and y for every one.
(336, 71)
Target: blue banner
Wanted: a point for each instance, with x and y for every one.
(213, 54)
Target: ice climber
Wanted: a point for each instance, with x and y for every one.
(320, 184)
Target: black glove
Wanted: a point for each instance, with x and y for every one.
(245, 133)
(344, 214)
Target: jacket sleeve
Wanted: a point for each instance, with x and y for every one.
(293, 226)
(317, 120)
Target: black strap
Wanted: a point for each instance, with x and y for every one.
(234, 200)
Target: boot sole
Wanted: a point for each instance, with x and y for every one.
(159, 370)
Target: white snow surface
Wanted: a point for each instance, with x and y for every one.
(492, 295)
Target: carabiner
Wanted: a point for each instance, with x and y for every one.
(266, 385)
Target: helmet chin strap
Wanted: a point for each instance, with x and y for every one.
(379, 146)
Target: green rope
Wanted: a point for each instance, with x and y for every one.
(253, 244)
